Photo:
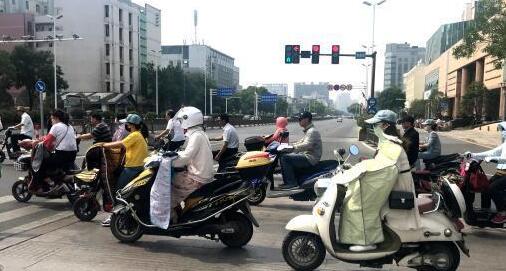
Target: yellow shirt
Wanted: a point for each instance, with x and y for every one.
(136, 149)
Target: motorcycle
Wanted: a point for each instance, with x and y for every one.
(7, 147)
(59, 182)
(433, 247)
(101, 169)
(479, 217)
(217, 211)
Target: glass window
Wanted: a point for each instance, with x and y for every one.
(120, 70)
(107, 49)
(131, 72)
(121, 87)
(130, 54)
(108, 68)
(106, 8)
(131, 87)
(46, 10)
(13, 2)
(27, 5)
(130, 19)
(120, 15)
(120, 34)
(37, 8)
(107, 30)
(50, 44)
(108, 86)
(121, 53)
(129, 36)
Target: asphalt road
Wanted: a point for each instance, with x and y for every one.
(44, 235)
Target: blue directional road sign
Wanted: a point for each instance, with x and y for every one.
(40, 86)
(372, 102)
(269, 98)
(371, 110)
(360, 55)
(225, 92)
(444, 105)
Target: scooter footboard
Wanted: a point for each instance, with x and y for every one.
(303, 223)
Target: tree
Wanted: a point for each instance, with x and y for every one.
(7, 79)
(417, 109)
(488, 28)
(392, 99)
(472, 101)
(354, 108)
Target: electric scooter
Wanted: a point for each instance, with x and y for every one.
(434, 246)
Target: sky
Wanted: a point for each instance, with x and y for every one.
(255, 33)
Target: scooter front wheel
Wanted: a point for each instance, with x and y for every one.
(303, 251)
(86, 208)
(258, 196)
(20, 191)
(125, 228)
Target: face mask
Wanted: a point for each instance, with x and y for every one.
(378, 131)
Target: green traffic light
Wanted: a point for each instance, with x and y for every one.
(288, 60)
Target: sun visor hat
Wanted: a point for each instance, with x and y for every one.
(383, 116)
(134, 119)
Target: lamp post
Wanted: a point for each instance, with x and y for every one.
(54, 57)
(373, 5)
(156, 81)
(366, 66)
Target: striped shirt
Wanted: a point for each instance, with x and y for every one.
(101, 133)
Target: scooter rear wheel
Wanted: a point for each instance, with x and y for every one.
(303, 251)
(125, 228)
(448, 257)
(20, 191)
(86, 208)
(258, 196)
(243, 230)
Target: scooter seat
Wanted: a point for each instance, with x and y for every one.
(425, 204)
(313, 172)
(443, 158)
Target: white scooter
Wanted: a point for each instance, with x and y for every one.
(434, 246)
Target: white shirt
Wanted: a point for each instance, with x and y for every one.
(230, 136)
(177, 130)
(498, 153)
(197, 156)
(65, 137)
(27, 128)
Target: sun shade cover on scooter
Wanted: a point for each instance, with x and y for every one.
(160, 196)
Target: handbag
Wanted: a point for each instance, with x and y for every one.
(479, 181)
(401, 200)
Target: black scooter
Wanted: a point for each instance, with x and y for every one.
(7, 148)
(479, 217)
(217, 211)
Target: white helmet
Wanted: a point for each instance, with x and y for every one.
(190, 117)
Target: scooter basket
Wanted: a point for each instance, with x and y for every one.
(21, 166)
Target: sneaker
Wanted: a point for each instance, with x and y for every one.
(107, 222)
(362, 248)
(499, 219)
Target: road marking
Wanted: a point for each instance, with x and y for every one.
(5, 199)
(24, 211)
(38, 223)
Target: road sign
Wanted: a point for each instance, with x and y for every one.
(444, 105)
(225, 92)
(269, 98)
(360, 55)
(372, 102)
(371, 110)
(40, 86)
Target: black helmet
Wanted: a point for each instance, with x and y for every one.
(306, 115)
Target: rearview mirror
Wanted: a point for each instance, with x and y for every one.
(354, 150)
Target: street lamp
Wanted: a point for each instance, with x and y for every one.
(366, 66)
(53, 18)
(156, 81)
(226, 102)
(373, 5)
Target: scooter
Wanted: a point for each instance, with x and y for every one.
(60, 182)
(7, 147)
(433, 247)
(217, 211)
(479, 217)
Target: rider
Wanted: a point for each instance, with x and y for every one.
(410, 139)
(173, 130)
(307, 152)
(197, 157)
(498, 181)
(136, 150)
(100, 132)
(370, 183)
(61, 140)
(281, 123)
(432, 148)
(26, 126)
(230, 142)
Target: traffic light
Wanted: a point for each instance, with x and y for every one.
(315, 56)
(335, 54)
(288, 54)
(296, 54)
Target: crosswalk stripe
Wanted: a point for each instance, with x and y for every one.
(24, 211)
(5, 199)
(40, 222)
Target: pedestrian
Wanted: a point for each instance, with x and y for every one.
(136, 149)
(100, 132)
(174, 132)
(120, 132)
(26, 127)
(410, 139)
(230, 142)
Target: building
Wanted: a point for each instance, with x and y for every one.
(444, 38)
(279, 89)
(343, 101)
(312, 91)
(218, 66)
(414, 83)
(150, 34)
(15, 26)
(35, 7)
(399, 59)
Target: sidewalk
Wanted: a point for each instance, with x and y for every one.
(483, 138)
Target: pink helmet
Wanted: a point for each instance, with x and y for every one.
(281, 122)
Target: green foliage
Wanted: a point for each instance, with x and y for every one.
(417, 109)
(77, 113)
(392, 99)
(354, 108)
(150, 116)
(472, 101)
(489, 28)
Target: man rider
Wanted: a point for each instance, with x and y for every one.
(100, 132)
(410, 139)
(26, 126)
(498, 181)
(307, 152)
(197, 157)
(230, 142)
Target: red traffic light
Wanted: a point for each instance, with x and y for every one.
(335, 48)
(296, 48)
(316, 48)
